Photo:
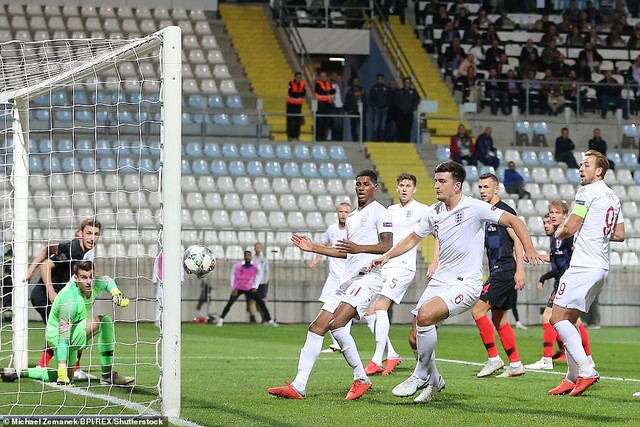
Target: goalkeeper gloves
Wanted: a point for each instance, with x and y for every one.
(119, 299)
(63, 377)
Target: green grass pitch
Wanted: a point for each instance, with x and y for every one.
(226, 371)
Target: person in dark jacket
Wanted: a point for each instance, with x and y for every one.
(379, 102)
(610, 92)
(514, 182)
(564, 149)
(485, 151)
(391, 129)
(406, 102)
(497, 93)
(355, 98)
(600, 145)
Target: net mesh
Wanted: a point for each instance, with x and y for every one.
(94, 121)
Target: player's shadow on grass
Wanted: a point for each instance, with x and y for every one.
(235, 412)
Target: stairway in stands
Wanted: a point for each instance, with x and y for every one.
(444, 123)
(390, 159)
(264, 63)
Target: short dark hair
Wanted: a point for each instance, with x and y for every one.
(371, 174)
(456, 169)
(379, 75)
(84, 265)
(407, 175)
(297, 73)
(91, 222)
(489, 175)
(248, 252)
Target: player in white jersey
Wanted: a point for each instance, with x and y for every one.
(458, 222)
(335, 233)
(596, 220)
(369, 232)
(397, 274)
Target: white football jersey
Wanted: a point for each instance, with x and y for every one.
(461, 235)
(330, 238)
(363, 228)
(591, 243)
(404, 221)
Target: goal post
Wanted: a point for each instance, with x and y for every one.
(95, 132)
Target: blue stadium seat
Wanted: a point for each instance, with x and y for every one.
(530, 158)
(345, 170)
(147, 164)
(105, 147)
(219, 167)
(526, 174)
(211, 150)
(545, 158)
(327, 170)
(283, 151)
(302, 152)
(33, 146)
(43, 114)
(319, 152)
(230, 151)
(221, 119)
(59, 98)
(35, 165)
(215, 101)
(630, 160)
(118, 97)
(310, 170)
(336, 152)
(41, 101)
(68, 164)
(265, 151)
(254, 168)
(80, 97)
(85, 146)
(241, 119)
(273, 169)
(443, 153)
(234, 101)
(199, 118)
(291, 170)
(186, 119)
(99, 97)
(193, 149)
(573, 176)
(84, 115)
(487, 169)
(45, 146)
(64, 145)
(52, 164)
(614, 157)
(63, 115)
(200, 167)
(195, 100)
(125, 147)
(88, 164)
(186, 167)
(236, 168)
(127, 164)
(102, 116)
(472, 173)
(248, 151)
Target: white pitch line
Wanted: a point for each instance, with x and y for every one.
(141, 409)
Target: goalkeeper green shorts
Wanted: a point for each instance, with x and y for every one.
(77, 340)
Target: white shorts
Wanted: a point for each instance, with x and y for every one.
(330, 286)
(396, 281)
(579, 286)
(459, 297)
(362, 290)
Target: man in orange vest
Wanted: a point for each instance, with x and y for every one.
(323, 91)
(294, 106)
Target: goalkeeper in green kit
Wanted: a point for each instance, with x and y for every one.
(70, 327)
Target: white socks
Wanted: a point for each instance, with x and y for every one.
(573, 347)
(308, 356)
(349, 351)
(371, 322)
(427, 338)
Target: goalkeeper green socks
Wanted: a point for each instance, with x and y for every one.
(106, 344)
(38, 373)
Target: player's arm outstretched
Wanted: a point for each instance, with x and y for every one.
(106, 282)
(400, 248)
(520, 229)
(307, 245)
(39, 259)
(385, 241)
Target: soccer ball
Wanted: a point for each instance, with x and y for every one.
(198, 260)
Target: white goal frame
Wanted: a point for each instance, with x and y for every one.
(170, 44)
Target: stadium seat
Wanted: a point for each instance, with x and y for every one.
(629, 160)
(443, 154)
(472, 173)
(283, 151)
(309, 170)
(234, 101)
(573, 176)
(630, 210)
(194, 200)
(314, 221)
(317, 186)
(224, 184)
(265, 151)
(299, 186)
(292, 254)
(206, 184)
(302, 152)
(219, 167)
(280, 185)
(277, 220)
(620, 191)
(228, 87)
(291, 169)
(200, 167)
(325, 203)
(327, 170)
(539, 175)
(335, 187)
(288, 202)
(220, 219)
(535, 225)
(610, 178)
(345, 170)
(269, 202)
(241, 119)
(221, 119)
(212, 200)
(248, 151)
(542, 207)
(273, 169)
(336, 152)
(566, 192)
(319, 152)
(214, 56)
(512, 156)
(246, 237)
(251, 201)
(306, 202)
(296, 221)
(534, 189)
(634, 193)
(258, 220)
(243, 184)
(530, 158)
(526, 207)
(193, 149)
(254, 168)
(240, 219)
(261, 185)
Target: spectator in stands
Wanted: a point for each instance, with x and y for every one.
(550, 35)
(532, 63)
(468, 85)
(566, 25)
(431, 9)
(453, 55)
(600, 145)
(593, 15)
(564, 149)
(456, 6)
(482, 21)
(391, 129)
(634, 40)
(614, 39)
(505, 23)
(395, 7)
(468, 61)
(514, 182)
(533, 86)
(575, 39)
(354, 99)
(552, 58)
(337, 122)
(591, 55)
(449, 33)
(324, 95)
(583, 71)
(485, 152)
(572, 91)
(514, 92)
(543, 23)
(593, 38)
(379, 102)
(583, 22)
(462, 147)
(496, 92)
(441, 18)
(461, 21)
(552, 91)
(528, 49)
(472, 34)
(609, 92)
(490, 36)
(622, 26)
(478, 54)
(573, 11)
(407, 101)
(493, 55)
(634, 71)
(297, 94)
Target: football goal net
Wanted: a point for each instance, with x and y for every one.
(91, 129)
